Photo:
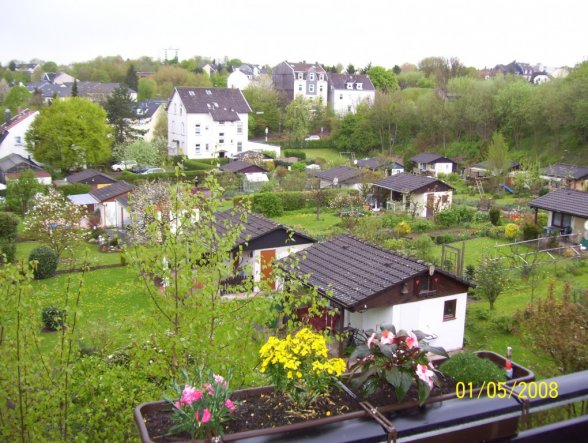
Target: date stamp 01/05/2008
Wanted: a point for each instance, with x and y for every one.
(526, 390)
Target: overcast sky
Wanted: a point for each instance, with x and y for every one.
(384, 32)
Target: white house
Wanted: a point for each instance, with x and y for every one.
(262, 242)
(435, 164)
(110, 202)
(148, 113)
(301, 79)
(238, 80)
(421, 195)
(371, 286)
(567, 212)
(13, 165)
(12, 133)
(207, 122)
(58, 78)
(348, 91)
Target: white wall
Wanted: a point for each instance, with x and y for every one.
(421, 199)
(14, 143)
(148, 124)
(425, 315)
(182, 127)
(443, 168)
(238, 80)
(254, 262)
(345, 101)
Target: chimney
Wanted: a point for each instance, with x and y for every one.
(7, 114)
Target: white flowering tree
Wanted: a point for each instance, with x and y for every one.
(54, 221)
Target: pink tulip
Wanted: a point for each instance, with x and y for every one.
(208, 387)
(206, 416)
(220, 380)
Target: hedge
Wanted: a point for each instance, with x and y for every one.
(291, 201)
(294, 153)
(74, 189)
(46, 262)
(167, 176)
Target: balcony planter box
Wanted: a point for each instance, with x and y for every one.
(362, 424)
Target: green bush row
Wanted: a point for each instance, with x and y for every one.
(131, 177)
(294, 153)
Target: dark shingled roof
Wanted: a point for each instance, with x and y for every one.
(339, 81)
(16, 163)
(563, 170)
(430, 157)
(352, 269)
(342, 173)
(484, 165)
(147, 108)
(371, 163)
(305, 67)
(568, 201)
(87, 175)
(405, 182)
(256, 226)
(223, 101)
(111, 191)
(239, 165)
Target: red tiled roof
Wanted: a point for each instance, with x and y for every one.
(17, 119)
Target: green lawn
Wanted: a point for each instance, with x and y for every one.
(488, 330)
(111, 301)
(305, 220)
(330, 155)
(82, 252)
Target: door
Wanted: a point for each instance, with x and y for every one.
(430, 205)
(267, 257)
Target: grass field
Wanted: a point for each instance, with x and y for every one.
(330, 155)
(305, 220)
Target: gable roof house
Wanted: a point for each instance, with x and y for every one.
(421, 195)
(301, 79)
(479, 170)
(95, 91)
(372, 286)
(104, 200)
(262, 241)
(90, 177)
(148, 113)
(12, 133)
(435, 164)
(347, 91)
(567, 212)
(242, 76)
(13, 165)
(253, 176)
(563, 175)
(344, 177)
(207, 122)
(58, 78)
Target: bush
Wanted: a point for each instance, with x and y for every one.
(267, 204)
(421, 226)
(494, 215)
(470, 272)
(481, 217)
(505, 323)
(197, 165)
(299, 166)
(7, 251)
(53, 318)
(46, 259)
(8, 228)
(241, 200)
(530, 231)
(443, 238)
(457, 215)
(511, 231)
(292, 201)
(301, 155)
(74, 189)
(467, 367)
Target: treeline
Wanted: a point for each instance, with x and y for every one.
(546, 122)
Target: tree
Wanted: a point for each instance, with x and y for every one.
(69, 134)
(131, 79)
(491, 279)
(54, 220)
(498, 158)
(383, 79)
(143, 152)
(147, 89)
(20, 192)
(350, 69)
(160, 131)
(120, 108)
(543, 324)
(49, 67)
(17, 98)
(74, 88)
(8, 228)
(298, 117)
(265, 103)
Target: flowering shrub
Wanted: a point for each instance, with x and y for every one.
(398, 358)
(299, 366)
(202, 406)
(511, 231)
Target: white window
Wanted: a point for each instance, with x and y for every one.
(239, 146)
(239, 128)
(207, 147)
(18, 140)
(197, 130)
(221, 138)
(359, 85)
(221, 123)
(191, 93)
(300, 76)
(300, 88)
(349, 85)
(311, 76)
(310, 88)
(197, 148)
(181, 109)
(321, 88)
(208, 92)
(175, 108)
(340, 96)
(321, 77)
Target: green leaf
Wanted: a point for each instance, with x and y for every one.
(360, 351)
(389, 327)
(400, 380)
(437, 350)
(420, 335)
(387, 350)
(423, 392)
(402, 333)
